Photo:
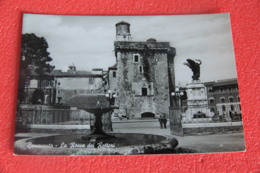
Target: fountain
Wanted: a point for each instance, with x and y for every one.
(98, 142)
(96, 104)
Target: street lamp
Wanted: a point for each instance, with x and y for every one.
(110, 97)
(178, 95)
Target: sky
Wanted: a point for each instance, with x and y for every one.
(88, 41)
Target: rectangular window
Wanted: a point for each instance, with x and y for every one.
(231, 99)
(144, 91)
(232, 108)
(27, 83)
(223, 108)
(91, 80)
(141, 69)
(114, 74)
(136, 58)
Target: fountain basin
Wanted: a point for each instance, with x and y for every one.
(121, 144)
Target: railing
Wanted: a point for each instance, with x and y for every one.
(42, 116)
(47, 115)
(230, 117)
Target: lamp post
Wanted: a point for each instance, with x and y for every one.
(111, 99)
(178, 95)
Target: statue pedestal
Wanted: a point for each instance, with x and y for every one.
(197, 104)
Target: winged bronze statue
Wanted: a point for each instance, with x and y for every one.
(194, 65)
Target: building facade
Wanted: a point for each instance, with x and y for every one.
(58, 87)
(143, 76)
(223, 98)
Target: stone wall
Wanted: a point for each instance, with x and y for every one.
(161, 84)
(143, 81)
(212, 128)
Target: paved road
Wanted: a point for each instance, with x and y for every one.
(203, 143)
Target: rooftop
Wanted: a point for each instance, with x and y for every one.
(232, 81)
(122, 22)
(59, 73)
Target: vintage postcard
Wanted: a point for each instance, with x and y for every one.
(127, 85)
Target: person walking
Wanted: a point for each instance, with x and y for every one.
(161, 121)
(164, 120)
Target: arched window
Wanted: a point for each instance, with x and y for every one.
(231, 99)
(212, 109)
(211, 100)
(222, 99)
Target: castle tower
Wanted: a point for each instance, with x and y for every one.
(145, 75)
(123, 31)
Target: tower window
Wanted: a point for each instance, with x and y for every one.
(114, 74)
(144, 91)
(141, 69)
(136, 58)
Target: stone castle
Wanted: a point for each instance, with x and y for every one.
(144, 75)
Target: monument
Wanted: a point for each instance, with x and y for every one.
(197, 102)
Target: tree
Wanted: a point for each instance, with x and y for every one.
(34, 59)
